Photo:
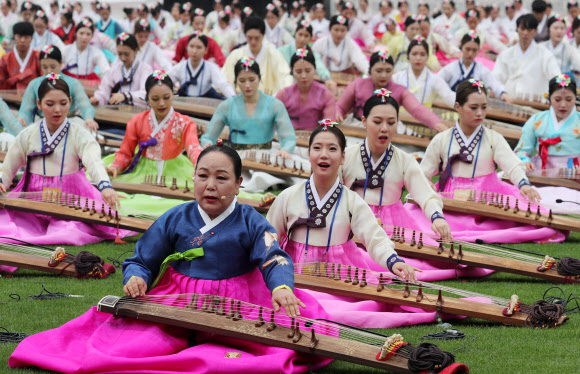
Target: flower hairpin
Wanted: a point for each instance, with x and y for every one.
(186, 7)
(558, 17)
(477, 83)
(27, 5)
(418, 39)
(247, 62)
(472, 13)
(52, 77)
(302, 52)
(383, 93)
(46, 50)
(305, 23)
(227, 10)
(563, 81)
(248, 11)
(319, 6)
(160, 75)
(472, 34)
(349, 5)
(39, 14)
(198, 12)
(270, 7)
(341, 20)
(420, 18)
(326, 123)
(196, 34)
(295, 5)
(383, 4)
(384, 56)
(123, 37)
(86, 22)
(143, 23)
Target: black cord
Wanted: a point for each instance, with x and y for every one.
(563, 300)
(48, 295)
(11, 337)
(445, 335)
(115, 261)
(560, 201)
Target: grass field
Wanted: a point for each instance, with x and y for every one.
(496, 348)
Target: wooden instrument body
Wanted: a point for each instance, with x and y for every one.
(490, 312)
(327, 346)
(32, 262)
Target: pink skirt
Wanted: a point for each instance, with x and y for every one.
(354, 311)
(96, 342)
(470, 227)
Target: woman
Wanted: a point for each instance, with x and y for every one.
(550, 142)
(234, 262)
(306, 101)
(339, 51)
(65, 147)
(467, 68)
(398, 46)
(197, 77)
(67, 30)
(320, 25)
(418, 79)
(223, 33)
(149, 53)
(251, 116)
(448, 23)
(106, 24)
(303, 37)
(42, 35)
(51, 62)
(275, 33)
(125, 82)
(381, 70)
(81, 59)
(392, 32)
(180, 28)
(470, 154)
(568, 58)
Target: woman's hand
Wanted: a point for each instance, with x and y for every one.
(136, 287)
(339, 118)
(531, 194)
(91, 124)
(433, 186)
(284, 154)
(22, 122)
(116, 98)
(111, 198)
(507, 98)
(331, 85)
(405, 271)
(112, 171)
(2, 188)
(94, 101)
(441, 228)
(286, 299)
(441, 127)
(529, 166)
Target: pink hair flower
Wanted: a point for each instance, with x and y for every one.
(326, 123)
(247, 62)
(477, 83)
(383, 93)
(46, 50)
(160, 75)
(563, 80)
(123, 37)
(52, 77)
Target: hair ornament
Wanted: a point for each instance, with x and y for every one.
(559, 17)
(247, 62)
(326, 123)
(572, 3)
(302, 52)
(104, 6)
(86, 22)
(349, 5)
(270, 7)
(123, 37)
(420, 17)
(39, 14)
(383, 93)
(418, 39)
(563, 80)
(248, 11)
(160, 75)
(341, 20)
(472, 34)
(383, 3)
(144, 23)
(186, 7)
(471, 13)
(46, 50)
(295, 5)
(219, 142)
(52, 77)
(477, 83)
(384, 56)
(199, 12)
(305, 23)
(27, 5)
(319, 6)
(197, 34)
(390, 21)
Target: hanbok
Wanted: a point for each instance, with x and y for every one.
(305, 114)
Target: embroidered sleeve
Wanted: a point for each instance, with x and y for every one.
(284, 128)
(191, 141)
(528, 141)
(124, 155)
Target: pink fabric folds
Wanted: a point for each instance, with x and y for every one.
(469, 227)
(95, 342)
(41, 229)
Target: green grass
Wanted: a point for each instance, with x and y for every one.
(496, 348)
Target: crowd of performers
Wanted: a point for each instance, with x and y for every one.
(273, 70)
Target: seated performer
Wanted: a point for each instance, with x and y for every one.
(251, 116)
(275, 70)
(180, 28)
(567, 56)
(106, 24)
(381, 70)
(489, 40)
(224, 34)
(42, 35)
(275, 32)
(51, 62)
(125, 81)
(467, 68)
(470, 154)
(19, 67)
(67, 29)
(225, 249)
(197, 77)
(421, 81)
(514, 66)
(213, 51)
(307, 101)
(54, 151)
(81, 59)
(320, 25)
(357, 29)
(339, 51)
(149, 52)
(448, 23)
(398, 47)
(303, 37)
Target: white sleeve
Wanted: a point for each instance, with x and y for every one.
(89, 152)
(175, 72)
(102, 63)
(160, 58)
(446, 74)
(419, 188)
(490, 81)
(15, 157)
(357, 56)
(443, 91)
(221, 83)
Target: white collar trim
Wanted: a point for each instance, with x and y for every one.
(462, 134)
(209, 223)
(320, 203)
